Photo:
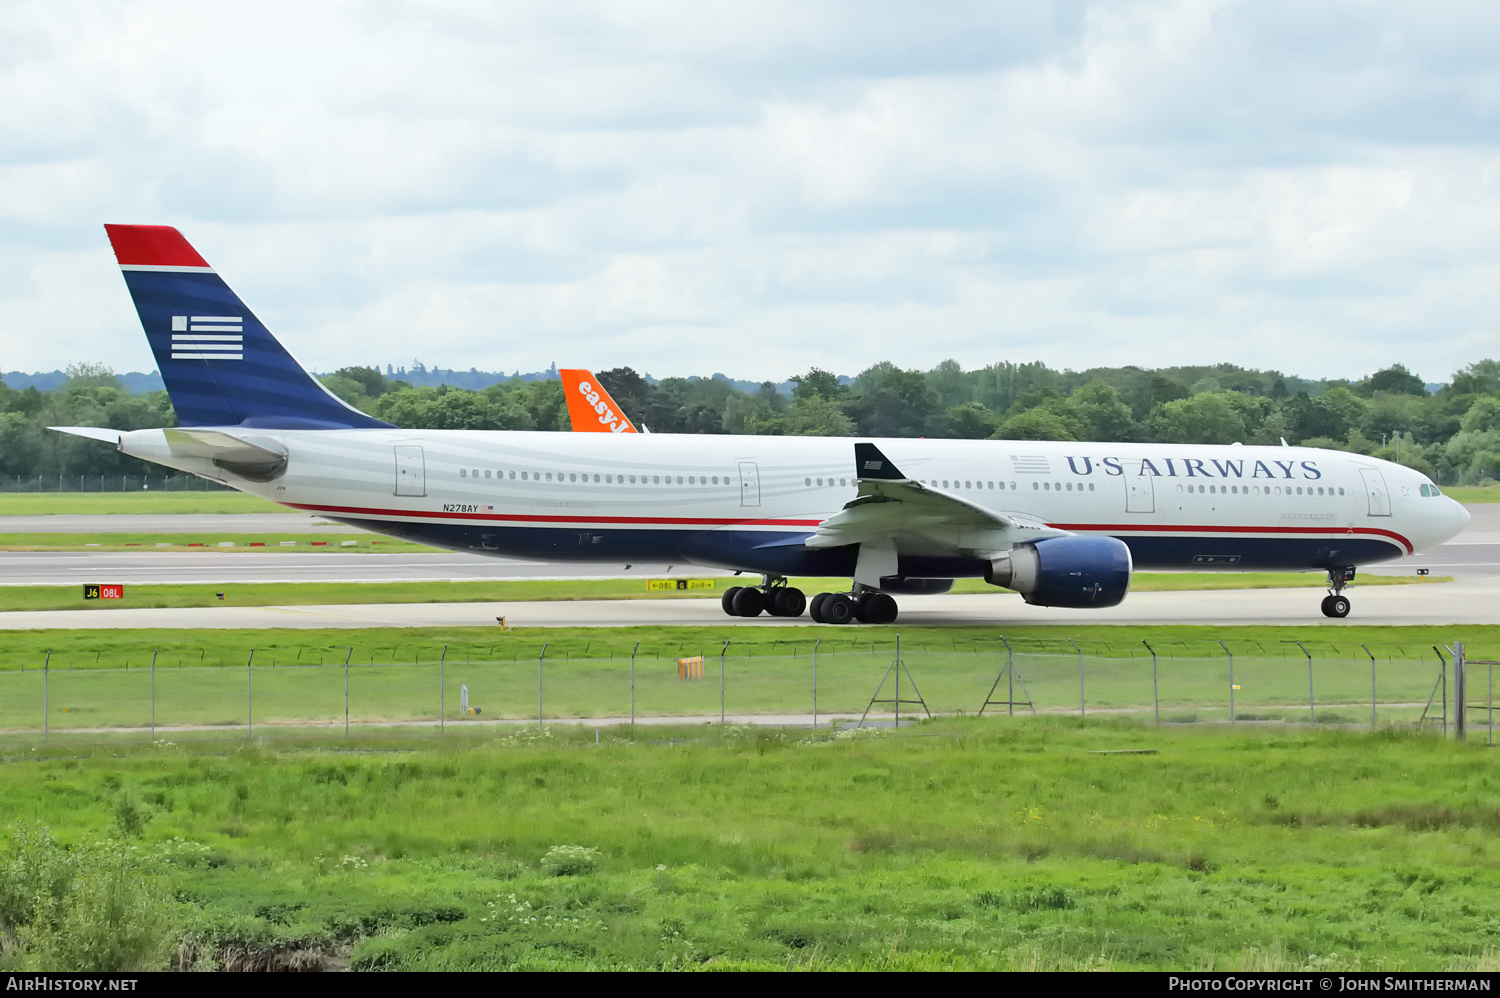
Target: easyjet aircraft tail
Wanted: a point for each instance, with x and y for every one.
(590, 408)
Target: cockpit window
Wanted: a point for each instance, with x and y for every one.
(1430, 490)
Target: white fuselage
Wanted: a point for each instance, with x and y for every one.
(742, 501)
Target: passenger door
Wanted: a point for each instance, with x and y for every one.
(1140, 494)
(1380, 496)
(411, 470)
(749, 484)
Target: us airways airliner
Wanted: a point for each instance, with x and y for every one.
(1064, 524)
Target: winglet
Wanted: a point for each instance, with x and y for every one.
(590, 408)
(871, 465)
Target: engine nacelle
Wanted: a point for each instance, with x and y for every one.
(1074, 571)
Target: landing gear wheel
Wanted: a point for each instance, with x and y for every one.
(787, 602)
(1335, 605)
(877, 608)
(727, 601)
(749, 602)
(815, 608)
(837, 609)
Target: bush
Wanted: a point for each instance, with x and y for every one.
(570, 861)
(87, 908)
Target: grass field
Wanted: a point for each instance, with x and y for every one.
(70, 597)
(143, 502)
(1473, 493)
(966, 844)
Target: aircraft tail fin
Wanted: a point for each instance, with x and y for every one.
(590, 408)
(221, 365)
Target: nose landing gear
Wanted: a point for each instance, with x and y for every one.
(1336, 604)
(773, 596)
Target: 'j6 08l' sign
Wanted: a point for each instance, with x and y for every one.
(94, 590)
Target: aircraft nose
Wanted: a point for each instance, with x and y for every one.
(1461, 516)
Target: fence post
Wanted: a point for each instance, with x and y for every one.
(721, 681)
(898, 680)
(1372, 683)
(1155, 691)
(1312, 711)
(632, 683)
(815, 682)
(442, 691)
(153, 694)
(1082, 706)
(1231, 678)
(1010, 678)
(539, 659)
(346, 688)
(249, 698)
(1460, 693)
(46, 714)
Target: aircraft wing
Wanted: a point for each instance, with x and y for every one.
(893, 513)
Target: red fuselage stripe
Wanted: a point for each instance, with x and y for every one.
(1136, 528)
(694, 521)
(535, 518)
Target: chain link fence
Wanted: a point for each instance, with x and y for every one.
(805, 685)
(109, 483)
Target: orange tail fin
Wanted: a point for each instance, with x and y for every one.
(590, 408)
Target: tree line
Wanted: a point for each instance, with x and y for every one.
(1452, 434)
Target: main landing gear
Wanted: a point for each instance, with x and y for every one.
(778, 599)
(863, 605)
(774, 596)
(1336, 604)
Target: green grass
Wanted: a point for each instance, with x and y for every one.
(966, 844)
(69, 597)
(1473, 493)
(145, 501)
(193, 542)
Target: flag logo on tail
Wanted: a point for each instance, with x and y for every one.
(208, 337)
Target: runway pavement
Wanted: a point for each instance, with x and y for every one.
(221, 568)
(1473, 602)
(186, 523)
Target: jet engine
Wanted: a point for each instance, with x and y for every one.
(1074, 571)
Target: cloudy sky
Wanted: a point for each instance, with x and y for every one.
(760, 187)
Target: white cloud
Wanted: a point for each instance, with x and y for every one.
(757, 187)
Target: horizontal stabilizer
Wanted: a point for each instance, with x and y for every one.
(92, 432)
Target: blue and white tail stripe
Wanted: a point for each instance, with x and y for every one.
(221, 365)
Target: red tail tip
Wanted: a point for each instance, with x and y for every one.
(152, 246)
